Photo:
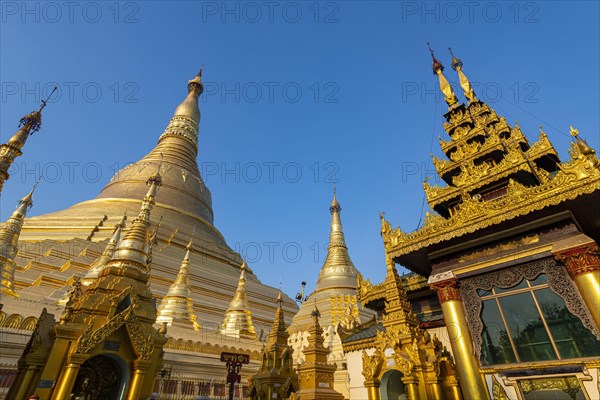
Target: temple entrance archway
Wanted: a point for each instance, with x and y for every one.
(101, 377)
(392, 387)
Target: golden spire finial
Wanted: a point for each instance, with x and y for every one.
(10, 150)
(445, 87)
(177, 306)
(9, 240)
(464, 81)
(338, 271)
(574, 132)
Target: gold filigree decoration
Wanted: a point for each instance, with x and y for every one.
(498, 392)
(371, 364)
(578, 177)
(568, 384)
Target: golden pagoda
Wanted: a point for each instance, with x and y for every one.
(336, 298)
(106, 329)
(316, 373)
(9, 240)
(276, 378)
(511, 247)
(238, 318)
(59, 248)
(177, 306)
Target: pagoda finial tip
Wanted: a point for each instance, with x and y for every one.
(436, 64)
(456, 62)
(574, 132)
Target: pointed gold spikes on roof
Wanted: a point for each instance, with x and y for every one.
(134, 248)
(238, 318)
(464, 82)
(338, 271)
(177, 306)
(9, 241)
(445, 87)
(98, 265)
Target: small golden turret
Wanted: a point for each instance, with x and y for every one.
(238, 318)
(445, 87)
(316, 372)
(177, 306)
(338, 271)
(28, 125)
(98, 265)
(276, 377)
(9, 241)
(134, 248)
(464, 82)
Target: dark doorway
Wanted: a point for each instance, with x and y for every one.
(100, 377)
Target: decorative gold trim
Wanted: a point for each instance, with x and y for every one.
(579, 176)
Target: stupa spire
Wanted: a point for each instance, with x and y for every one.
(338, 271)
(464, 82)
(10, 150)
(186, 118)
(278, 332)
(134, 247)
(9, 241)
(98, 265)
(177, 146)
(177, 307)
(445, 87)
(238, 318)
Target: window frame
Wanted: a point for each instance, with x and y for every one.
(558, 281)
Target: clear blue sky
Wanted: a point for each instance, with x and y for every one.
(294, 86)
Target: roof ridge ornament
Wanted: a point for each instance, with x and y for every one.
(445, 87)
(464, 81)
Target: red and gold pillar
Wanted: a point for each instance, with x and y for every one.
(467, 365)
(583, 264)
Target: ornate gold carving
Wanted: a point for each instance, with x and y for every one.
(559, 282)
(568, 384)
(580, 259)
(371, 364)
(447, 290)
(498, 392)
(578, 177)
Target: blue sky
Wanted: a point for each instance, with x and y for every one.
(298, 94)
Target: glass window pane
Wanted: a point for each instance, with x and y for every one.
(482, 292)
(520, 285)
(496, 348)
(526, 328)
(571, 337)
(540, 280)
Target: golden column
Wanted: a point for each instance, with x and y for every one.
(68, 377)
(140, 369)
(583, 265)
(471, 381)
(373, 390)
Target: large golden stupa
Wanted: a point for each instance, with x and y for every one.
(56, 249)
